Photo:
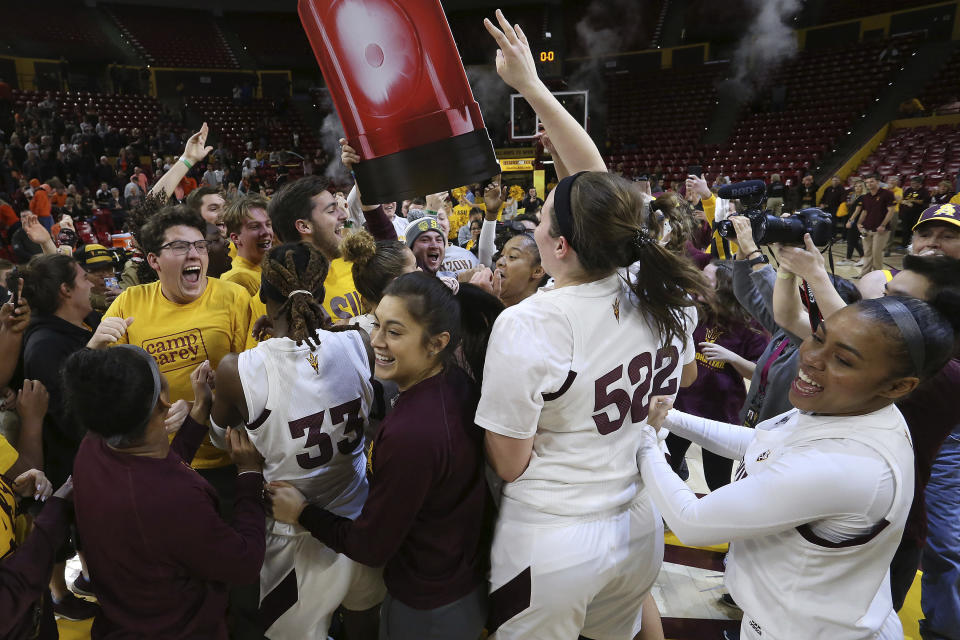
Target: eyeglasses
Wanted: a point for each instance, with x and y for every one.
(182, 247)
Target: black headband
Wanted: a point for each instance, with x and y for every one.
(909, 329)
(561, 207)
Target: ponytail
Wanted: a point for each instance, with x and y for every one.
(665, 285)
(609, 233)
(293, 276)
(468, 316)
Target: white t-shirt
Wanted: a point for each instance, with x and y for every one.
(457, 259)
(574, 368)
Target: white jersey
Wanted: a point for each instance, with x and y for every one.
(574, 368)
(308, 410)
(797, 585)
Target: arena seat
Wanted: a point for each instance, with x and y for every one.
(181, 38)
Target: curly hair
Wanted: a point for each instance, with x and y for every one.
(288, 271)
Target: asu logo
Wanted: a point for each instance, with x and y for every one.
(763, 456)
(312, 359)
(946, 210)
(713, 334)
(616, 309)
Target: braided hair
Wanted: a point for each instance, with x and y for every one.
(293, 275)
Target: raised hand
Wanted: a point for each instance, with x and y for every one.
(493, 198)
(741, 226)
(35, 231)
(805, 262)
(515, 64)
(348, 155)
(16, 320)
(196, 149)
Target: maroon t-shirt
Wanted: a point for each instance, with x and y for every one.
(875, 208)
(424, 514)
(154, 539)
(719, 392)
(932, 413)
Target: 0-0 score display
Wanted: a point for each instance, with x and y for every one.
(548, 63)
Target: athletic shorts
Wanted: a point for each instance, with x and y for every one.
(556, 577)
(303, 581)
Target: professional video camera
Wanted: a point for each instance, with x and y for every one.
(768, 228)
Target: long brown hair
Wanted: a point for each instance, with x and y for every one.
(609, 233)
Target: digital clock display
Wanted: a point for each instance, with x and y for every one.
(548, 63)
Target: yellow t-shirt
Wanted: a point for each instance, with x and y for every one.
(244, 273)
(898, 194)
(8, 500)
(8, 455)
(232, 250)
(181, 336)
(457, 218)
(257, 309)
(955, 199)
(720, 247)
(341, 298)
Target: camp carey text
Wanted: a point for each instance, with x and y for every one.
(177, 350)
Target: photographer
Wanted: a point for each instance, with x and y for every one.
(753, 284)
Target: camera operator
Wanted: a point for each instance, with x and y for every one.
(753, 284)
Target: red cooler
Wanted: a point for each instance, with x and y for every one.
(397, 82)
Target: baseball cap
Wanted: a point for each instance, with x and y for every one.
(94, 254)
(948, 213)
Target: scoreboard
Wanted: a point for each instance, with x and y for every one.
(549, 64)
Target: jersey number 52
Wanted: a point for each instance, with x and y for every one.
(640, 372)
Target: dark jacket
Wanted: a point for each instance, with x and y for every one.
(48, 342)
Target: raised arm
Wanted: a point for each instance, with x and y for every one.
(195, 151)
(516, 66)
(808, 264)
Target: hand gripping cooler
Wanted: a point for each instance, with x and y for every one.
(400, 90)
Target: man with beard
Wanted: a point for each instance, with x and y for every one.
(305, 211)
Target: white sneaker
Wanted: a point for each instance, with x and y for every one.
(858, 263)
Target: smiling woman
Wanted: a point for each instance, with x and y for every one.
(823, 494)
(424, 517)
